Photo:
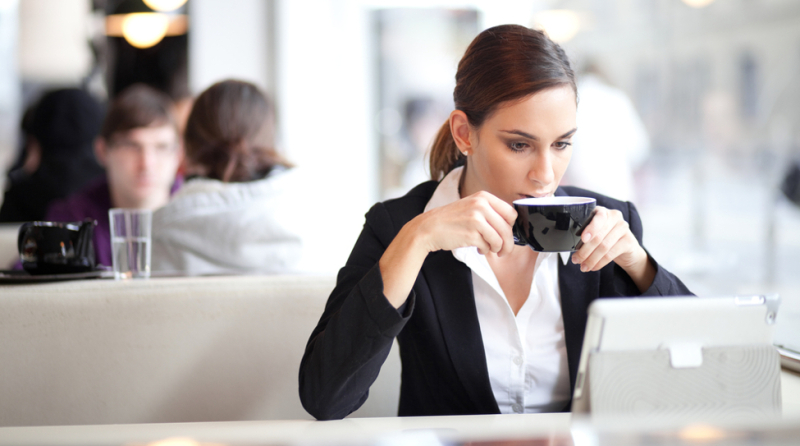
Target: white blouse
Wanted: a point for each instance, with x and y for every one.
(526, 354)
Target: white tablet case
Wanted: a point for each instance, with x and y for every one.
(680, 357)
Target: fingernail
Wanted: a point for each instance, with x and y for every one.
(587, 237)
(584, 268)
(576, 260)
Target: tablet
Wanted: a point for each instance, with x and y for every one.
(787, 338)
(644, 341)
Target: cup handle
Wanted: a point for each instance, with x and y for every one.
(23, 230)
(85, 243)
(583, 226)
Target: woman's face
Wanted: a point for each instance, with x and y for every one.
(523, 148)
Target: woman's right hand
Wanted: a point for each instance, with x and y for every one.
(481, 220)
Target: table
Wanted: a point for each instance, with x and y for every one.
(536, 429)
(347, 431)
(549, 429)
(481, 430)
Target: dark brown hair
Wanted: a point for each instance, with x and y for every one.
(138, 106)
(504, 63)
(229, 134)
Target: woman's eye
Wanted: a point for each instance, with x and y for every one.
(561, 145)
(517, 146)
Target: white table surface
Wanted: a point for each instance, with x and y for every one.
(351, 431)
(348, 431)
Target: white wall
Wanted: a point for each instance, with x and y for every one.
(53, 40)
(314, 59)
(229, 39)
(9, 86)
(325, 97)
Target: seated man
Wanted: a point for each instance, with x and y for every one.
(139, 147)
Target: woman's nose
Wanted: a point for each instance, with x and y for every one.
(541, 169)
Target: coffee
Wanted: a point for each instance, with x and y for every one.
(552, 224)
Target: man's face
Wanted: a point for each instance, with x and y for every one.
(141, 165)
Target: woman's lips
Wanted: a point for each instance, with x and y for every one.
(536, 195)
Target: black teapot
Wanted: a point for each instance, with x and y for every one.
(47, 247)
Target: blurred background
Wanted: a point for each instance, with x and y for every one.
(696, 100)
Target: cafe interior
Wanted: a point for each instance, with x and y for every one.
(700, 129)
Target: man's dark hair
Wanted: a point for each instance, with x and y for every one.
(138, 106)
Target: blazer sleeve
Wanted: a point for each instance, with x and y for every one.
(664, 284)
(355, 333)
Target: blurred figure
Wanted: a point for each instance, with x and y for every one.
(423, 117)
(59, 158)
(29, 155)
(611, 142)
(182, 108)
(241, 208)
(140, 149)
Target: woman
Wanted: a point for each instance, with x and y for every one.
(484, 326)
(236, 213)
(58, 154)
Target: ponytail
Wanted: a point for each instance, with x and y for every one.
(235, 158)
(445, 155)
(229, 134)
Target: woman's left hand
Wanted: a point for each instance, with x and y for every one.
(609, 238)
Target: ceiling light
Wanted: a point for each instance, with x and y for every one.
(698, 3)
(143, 27)
(164, 5)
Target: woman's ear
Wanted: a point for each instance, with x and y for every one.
(461, 131)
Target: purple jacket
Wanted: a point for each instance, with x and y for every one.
(93, 201)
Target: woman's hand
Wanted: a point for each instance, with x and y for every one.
(481, 220)
(609, 238)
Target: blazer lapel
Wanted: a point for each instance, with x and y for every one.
(450, 283)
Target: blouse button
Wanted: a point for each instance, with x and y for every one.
(518, 360)
(516, 408)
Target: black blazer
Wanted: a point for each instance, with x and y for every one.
(441, 349)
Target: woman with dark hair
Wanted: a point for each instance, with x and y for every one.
(60, 160)
(236, 213)
(483, 326)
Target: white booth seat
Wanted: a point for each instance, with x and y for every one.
(163, 350)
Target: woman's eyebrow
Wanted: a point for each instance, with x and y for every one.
(568, 134)
(521, 133)
(529, 136)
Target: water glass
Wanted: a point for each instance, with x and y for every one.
(130, 242)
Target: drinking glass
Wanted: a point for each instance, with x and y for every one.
(130, 242)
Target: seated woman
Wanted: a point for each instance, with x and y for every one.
(237, 211)
(484, 326)
(58, 154)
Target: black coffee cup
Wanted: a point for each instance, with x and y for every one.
(47, 247)
(552, 224)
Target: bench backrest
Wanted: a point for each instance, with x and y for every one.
(163, 350)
